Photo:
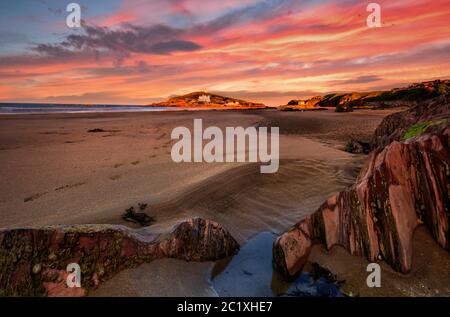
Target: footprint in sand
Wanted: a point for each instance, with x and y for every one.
(71, 142)
(114, 177)
(135, 163)
(11, 148)
(54, 132)
(69, 186)
(34, 197)
(118, 165)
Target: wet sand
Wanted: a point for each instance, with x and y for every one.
(429, 276)
(56, 172)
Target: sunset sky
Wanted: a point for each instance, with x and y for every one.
(142, 51)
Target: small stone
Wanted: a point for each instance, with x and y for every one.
(138, 217)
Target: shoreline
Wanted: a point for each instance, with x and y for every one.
(132, 109)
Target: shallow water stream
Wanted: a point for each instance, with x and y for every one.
(249, 273)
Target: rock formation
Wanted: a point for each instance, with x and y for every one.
(33, 262)
(140, 218)
(357, 147)
(302, 105)
(402, 185)
(398, 97)
(394, 127)
(204, 99)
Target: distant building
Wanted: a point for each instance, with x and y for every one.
(204, 98)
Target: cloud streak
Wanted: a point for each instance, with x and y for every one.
(263, 50)
(157, 39)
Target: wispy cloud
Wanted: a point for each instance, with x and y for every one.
(264, 50)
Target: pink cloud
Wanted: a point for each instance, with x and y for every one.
(322, 48)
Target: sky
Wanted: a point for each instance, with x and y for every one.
(270, 51)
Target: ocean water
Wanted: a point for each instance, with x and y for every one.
(53, 108)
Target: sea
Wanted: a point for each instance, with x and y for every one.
(33, 108)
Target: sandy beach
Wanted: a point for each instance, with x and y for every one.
(56, 172)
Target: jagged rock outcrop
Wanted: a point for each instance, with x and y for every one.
(302, 105)
(394, 127)
(408, 96)
(33, 261)
(402, 186)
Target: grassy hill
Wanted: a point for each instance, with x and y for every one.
(406, 96)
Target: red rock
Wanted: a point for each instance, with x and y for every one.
(54, 282)
(33, 261)
(401, 186)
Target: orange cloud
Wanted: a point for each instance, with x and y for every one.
(267, 55)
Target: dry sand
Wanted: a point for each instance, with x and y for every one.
(56, 172)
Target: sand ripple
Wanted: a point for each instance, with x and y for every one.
(247, 202)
